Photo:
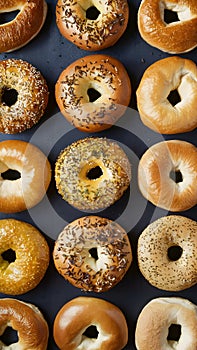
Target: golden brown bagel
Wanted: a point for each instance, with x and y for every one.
(176, 37)
(110, 261)
(76, 316)
(92, 173)
(35, 175)
(167, 175)
(89, 34)
(28, 321)
(162, 269)
(32, 257)
(31, 100)
(156, 319)
(102, 74)
(159, 80)
(25, 26)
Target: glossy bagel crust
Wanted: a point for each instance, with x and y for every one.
(78, 159)
(175, 38)
(28, 321)
(35, 176)
(156, 318)
(89, 34)
(153, 260)
(73, 259)
(32, 97)
(25, 26)
(80, 313)
(102, 73)
(32, 257)
(154, 175)
(161, 78)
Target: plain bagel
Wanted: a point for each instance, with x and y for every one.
(158, 109)
(177, 37)
(167, 175)
(25, 26)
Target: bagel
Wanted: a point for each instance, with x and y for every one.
(156, 321)
(25, 26)
(93, 92)
(27, 96)
(79, 314)
(109, 244)
(155, 102)
(177, 37)
(167, 175)
(32, 175)
(88, 33)
(92, 173)
(158, 264)
(31, 255)
(29, 323)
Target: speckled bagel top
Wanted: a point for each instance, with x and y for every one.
(153, 259)
(78, 159)
(32, 96)
(74, 262)
(92, 34)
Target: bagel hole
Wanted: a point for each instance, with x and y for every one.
(91, 332)
(92, 13)
(174, 97)
(6, 17)
(174, 332)
(9, 255)
(10, 336)
(11, 175)
(94, 253)
(170, 16)
(175, 252)
(93, 94)
(94, 173)
(9, 96)
(176, 176)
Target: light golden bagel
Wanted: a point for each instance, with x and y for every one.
(24, 109)
(25, 26)
(93, 253)
(89, 32)
(155, 100)
(177, 37)
(33, 176)
(31, 257)
(29, 323)
(76, 317)
(93, 92)
(92, 173)
(162, 317)
(167, 253)
(167, 175)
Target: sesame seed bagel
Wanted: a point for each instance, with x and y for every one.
(77, 315)
(103, 76)
(93, 253)
(33, 176)
(167, 175)
(25, 26)
(159, 316)
(92, 173)
(157, 262)
(92, 33)
(178, 36)
(157, 109)
(27, 320)
(32, 257)
(31, 96)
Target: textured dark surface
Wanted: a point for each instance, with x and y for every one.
(51, 53)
